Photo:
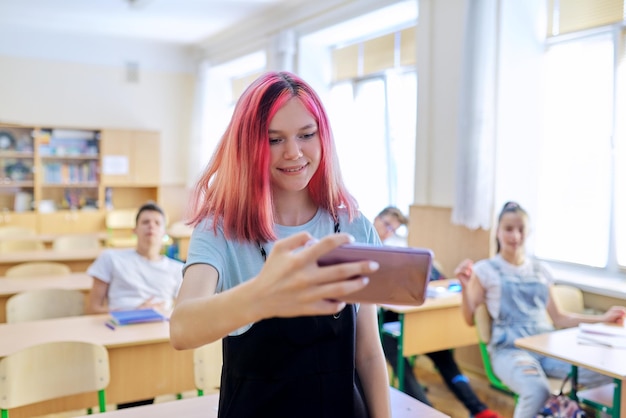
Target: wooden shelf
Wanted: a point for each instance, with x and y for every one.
(14, 184)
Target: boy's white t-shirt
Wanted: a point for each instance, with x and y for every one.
(134, 279)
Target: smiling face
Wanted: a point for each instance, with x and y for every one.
(511, 234)
(295, 147)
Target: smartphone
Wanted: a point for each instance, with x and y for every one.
(402, 278)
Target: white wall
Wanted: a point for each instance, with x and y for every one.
(81, 82)
(439, 56)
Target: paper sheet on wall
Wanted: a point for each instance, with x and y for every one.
(115, 165)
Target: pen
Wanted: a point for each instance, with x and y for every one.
(109, 326)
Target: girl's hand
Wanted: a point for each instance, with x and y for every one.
(615, 315)
(292, 284)
(463, 271)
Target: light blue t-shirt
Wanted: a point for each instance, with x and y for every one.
(237, 262)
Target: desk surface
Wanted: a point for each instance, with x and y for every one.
(562, 345)
(403, 406)
(89, 328)
(49, 238)
(49, 255)
(11, 286)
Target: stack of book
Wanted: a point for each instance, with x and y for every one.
(608, 335)
(136, 316)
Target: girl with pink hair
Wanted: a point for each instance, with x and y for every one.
(270, 202)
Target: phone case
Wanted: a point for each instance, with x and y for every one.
(402, 278)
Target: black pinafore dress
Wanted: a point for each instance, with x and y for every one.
(293, 368)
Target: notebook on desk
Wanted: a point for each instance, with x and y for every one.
(136, 316)
(608, 335)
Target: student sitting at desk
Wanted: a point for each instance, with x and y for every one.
(134, 278)
(386, 224)
(141, 277)
(517, 293)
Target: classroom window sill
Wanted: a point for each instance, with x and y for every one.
(590, 279)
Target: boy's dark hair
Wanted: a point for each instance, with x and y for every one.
(152, 206)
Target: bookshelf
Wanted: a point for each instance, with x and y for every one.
(62, 180)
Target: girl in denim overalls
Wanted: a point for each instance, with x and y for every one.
(516, 291)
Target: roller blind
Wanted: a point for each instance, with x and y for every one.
(374, 55)
(346, 62)
(378, 54)
(566, 16)
(408, 49)
(239, 84)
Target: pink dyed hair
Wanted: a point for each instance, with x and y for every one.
(235, 186)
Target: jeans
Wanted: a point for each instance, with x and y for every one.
(526, 374)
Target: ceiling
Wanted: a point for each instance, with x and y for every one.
(176, 21)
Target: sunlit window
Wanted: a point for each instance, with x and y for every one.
(573, 222)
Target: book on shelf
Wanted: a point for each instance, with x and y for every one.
(136, 316)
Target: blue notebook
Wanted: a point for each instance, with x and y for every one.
(136, 316)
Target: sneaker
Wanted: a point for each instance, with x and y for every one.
(487, 413)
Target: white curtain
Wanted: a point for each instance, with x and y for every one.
(473, 206)
(197, 145)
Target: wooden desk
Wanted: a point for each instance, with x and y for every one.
(48, 239)
(77, 260)
(562, 345)
(436, 325)
(10, 286)
(402, 406)
(143, 363)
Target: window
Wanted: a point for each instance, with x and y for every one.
(373, 112)
(582, 192)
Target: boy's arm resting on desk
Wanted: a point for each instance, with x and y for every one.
(97, 302)
(370, 362)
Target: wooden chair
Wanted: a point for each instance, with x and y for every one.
(76, 242)
(37, 268)
(207, 367)
(120, 224)
(32, 305)
(15, 245)
(53, 370)
(16, 232)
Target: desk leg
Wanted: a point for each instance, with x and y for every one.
(400, 360)
(574, 380)
(619, 399)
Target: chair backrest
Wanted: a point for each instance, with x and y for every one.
(120, 224)
(207, 367)
(37, 268)
(76, 242)
(16, 232)
(32, 305)
(568, 298)
(52, 370)
(482, 321)
(15, 245)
